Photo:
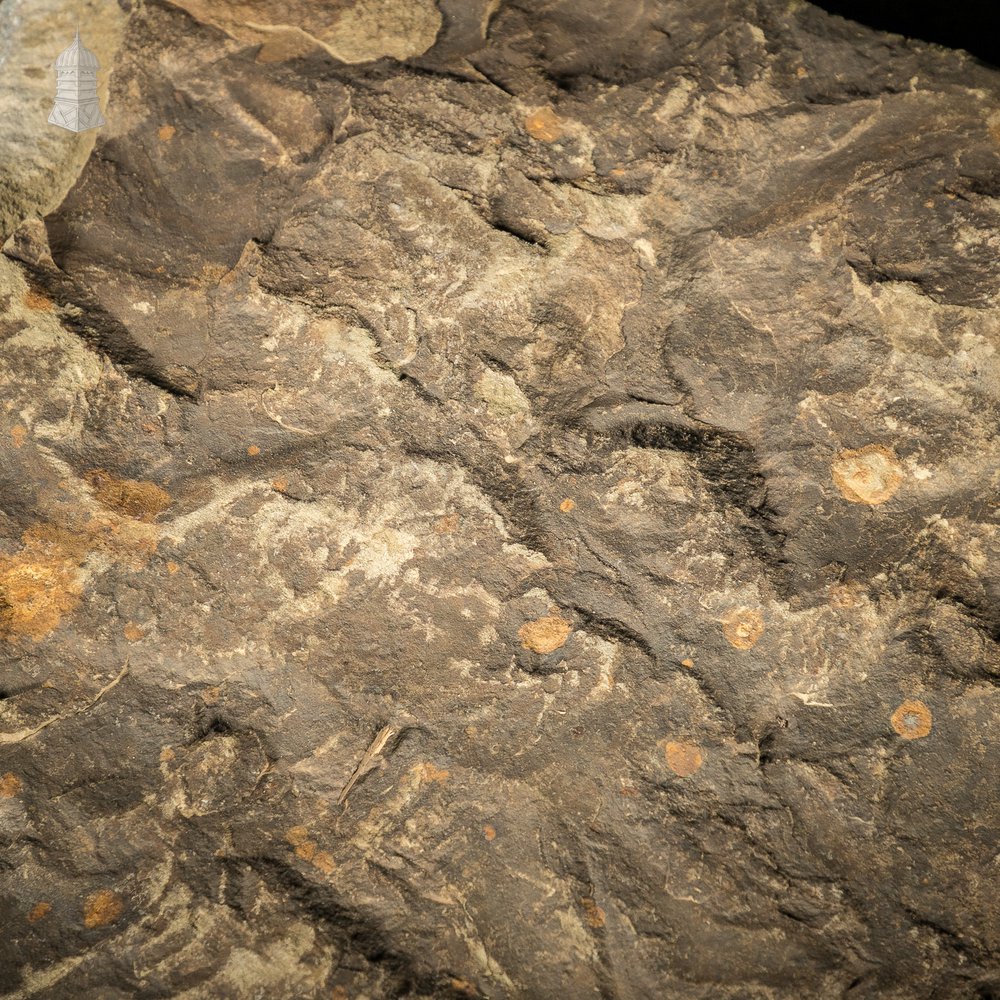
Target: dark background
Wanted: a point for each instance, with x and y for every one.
(973, 25)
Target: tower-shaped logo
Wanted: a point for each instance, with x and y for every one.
(77, 107)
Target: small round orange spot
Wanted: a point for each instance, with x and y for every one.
(544, 635)
(490, 832)
(306, 850)
(912, 720)
(102, 908)
(567, 505)
(10, 785)
(742, 627)
(38, 911)
(869, 475)
(682, 758)
(133, 633)
(253, 451)
(324, 862)
(280, 484)
(801, 72)
(166, 133)
(689, 663)
(172, 568)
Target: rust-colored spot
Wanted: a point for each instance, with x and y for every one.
(133, 633)
(801, 72)
(544, 635)
(869, 475)
(150, 428)
(682, 758)
(567, 505)
(629, 791)
(167, 755)
(37, 587)
(324, 862)
(102, 908)
(306, 850)
(742, 627)
(490, 832)
(133, 498)
(38, 911)
(689, 663)
(10, 785)
(210, 696)
(464, 986)
(166, 132)
(17, 435)
(593, 915)
(446, 524)
(280, 484)
(36, 299)
(172, 567)
(544, 125)
(297, 835)
(253, 451)
(428, 772)
(912, 720)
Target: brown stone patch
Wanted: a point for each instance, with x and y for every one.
(102, 908)
(742, 627)
(165, 133)
(133, 498)
(869, 475)
(17, 435)
(544, 125)
(38, 912)
(912, 720)
(10, 785)
(544, 635)
(593, 915)
(684, 759)
(446, 524)
(428, 772)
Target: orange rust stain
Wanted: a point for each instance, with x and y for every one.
(428, 772)
(689, 663)
(167, 755)
(37, 587)
(172, 567)
(133, 633)
(801, 72)
(210, 696)
(446, 524)
(544, 635)
(166, 132)
(324, 862)
(464, 986)
(38, 300)
(912, 720)
(280, 484)
(490, 832)
(567, 505)
(544, 125)
(253, 451)
(593, 915)
(17, 435)
(684, 759)
(10, 785)
(38, 911)
(150, 428)
(629, 791)
(306, 850)
(133, 498)
(869, 475)
(102, 908)
(297, 835)
(742, 627)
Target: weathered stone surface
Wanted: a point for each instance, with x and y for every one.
(499, 499)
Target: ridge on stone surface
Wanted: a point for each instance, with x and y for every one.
(499, 499)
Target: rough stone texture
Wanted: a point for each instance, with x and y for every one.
(515, 522)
